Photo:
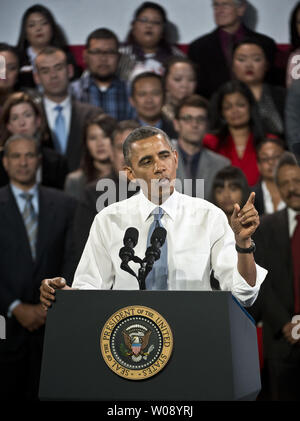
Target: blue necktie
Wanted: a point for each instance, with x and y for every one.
(157, 279)
(30, 221)
(60, 130)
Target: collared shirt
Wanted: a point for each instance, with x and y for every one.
(158, 124)
(292, 220)
(268, 203)
(114, 100)
(199, 239)
(21, 202)
(52, 113)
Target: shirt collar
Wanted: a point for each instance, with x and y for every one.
(17, 192)
(169, 206)
(50, 105)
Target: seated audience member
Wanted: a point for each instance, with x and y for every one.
(250, 65)
(291, 72)
(36, 240)
(147, 48)
(65, 116)
(9, 83)
(212, 52)
(39, 30)
(229, 186)
(180, 82)
(278, 247)
(22, 115)
(147, 97)
(292, 118)
(195, 162)
(236, 128)
(96, 156)
(95, 197)
(99, 85)
(267, 198)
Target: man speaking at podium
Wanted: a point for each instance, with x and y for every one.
(198, 236)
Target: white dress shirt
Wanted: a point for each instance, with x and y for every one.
(268, 202)
(52, 114)
(199, 239)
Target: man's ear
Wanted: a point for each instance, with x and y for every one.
(241, 10)
(176, 125)
(70, 71)
(36, 77)
(129, 172)
(4, 162)
(176, 158)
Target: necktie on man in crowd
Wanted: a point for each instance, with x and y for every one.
(60, 130)
(30, 221)
(157, 279)
(295, 245)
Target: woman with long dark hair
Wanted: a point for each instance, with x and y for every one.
(39, 30)
(236, 128)
(96, 156)
(250, 65)
(147, 47)
(22, 115)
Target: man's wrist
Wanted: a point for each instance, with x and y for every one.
(246, 250)
(244, 244)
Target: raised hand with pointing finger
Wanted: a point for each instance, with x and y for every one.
(244, 222)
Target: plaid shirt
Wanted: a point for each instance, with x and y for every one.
(114, 101)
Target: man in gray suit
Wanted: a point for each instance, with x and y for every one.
(195, 162)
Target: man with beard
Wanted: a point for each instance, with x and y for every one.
(278, 250)
(66, 117)
(99, 84)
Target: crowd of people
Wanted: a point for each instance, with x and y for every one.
(231, 113)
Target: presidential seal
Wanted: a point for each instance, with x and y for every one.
(136, 342)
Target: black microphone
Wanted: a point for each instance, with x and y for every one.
(127, 253)
(131, 237)
(153, 252)
(158, 237)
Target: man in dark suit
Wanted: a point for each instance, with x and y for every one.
(278, 249)
(36, 240)
(195, 162)
(66, 117)
(267, 196)
(147, 97)
(212, 53)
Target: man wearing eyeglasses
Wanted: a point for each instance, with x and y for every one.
(99, 84)
(212, 52)
(195, 162)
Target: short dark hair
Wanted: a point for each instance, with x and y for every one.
(49, 50)
(151, 5)
(102, 33)
(145, 75)
(139, 134)
(276, 140)
(124, 125)
(287, 158)
(7, 47)
(237, 178)
(194, 100)
(17, 137)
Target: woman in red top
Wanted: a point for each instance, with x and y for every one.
(236, 127)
